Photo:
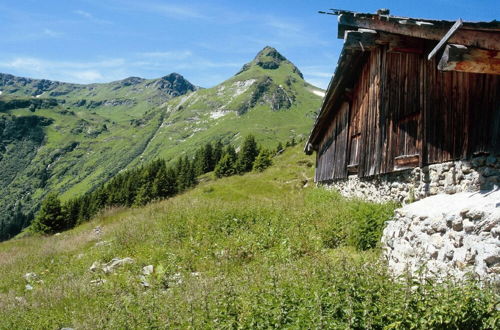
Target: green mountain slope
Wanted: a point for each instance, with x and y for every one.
(78, 136)
(268, 98)
(262, 250)
(74, 139)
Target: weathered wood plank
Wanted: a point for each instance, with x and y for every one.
(468, 37)
(446, 37)
(360, 40)
(469, 59)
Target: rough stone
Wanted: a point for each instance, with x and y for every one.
(443, 250)
(407, 186)
(148, 270)
(115, 263)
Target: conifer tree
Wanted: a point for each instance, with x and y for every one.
(208, 158)
(225, 167)
(231, 152)
(165, 183)
(144, 194)
(50, 218)
(262, 161)
(247, 155)
(218, 151)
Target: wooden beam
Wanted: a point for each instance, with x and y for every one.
(401, 44)
(464, 36)
(469, 59)
(363, 40)
(445, 39)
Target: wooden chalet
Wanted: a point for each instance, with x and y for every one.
(408, 92)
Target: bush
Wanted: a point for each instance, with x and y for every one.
(368, 223)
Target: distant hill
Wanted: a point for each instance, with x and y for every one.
(70, 138)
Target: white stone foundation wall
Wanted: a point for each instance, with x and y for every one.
(479, 173)
(446, 236)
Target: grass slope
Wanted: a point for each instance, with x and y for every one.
(255, 251)
(98, 130)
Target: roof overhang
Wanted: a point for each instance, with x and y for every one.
(468, 47)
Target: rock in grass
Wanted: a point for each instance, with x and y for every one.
(148, 270)
(29, 277)
(115, 263)
(99, 281)
(144, 282)
(95, 266)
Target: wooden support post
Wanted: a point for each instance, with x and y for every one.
(445, 39)
(469, 59)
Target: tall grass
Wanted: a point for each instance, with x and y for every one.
(253, 251)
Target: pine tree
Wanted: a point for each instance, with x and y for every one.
(71, 211)
(218, 151)
(144, 194)
(247, 155)
(165, 183)
(262, 161)
(50, 218)
(186, 175)
(225, 167)
(205, 163)
(231, 152)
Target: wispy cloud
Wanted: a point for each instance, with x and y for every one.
(52, 33)
(84, 14)
(90, 17)
(71, 71)
(104, 70)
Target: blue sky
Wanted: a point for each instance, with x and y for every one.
(88, 41)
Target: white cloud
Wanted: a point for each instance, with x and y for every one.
(88, 16)
(70, 71)
(51, 33)
(86, 76)
(84, 14)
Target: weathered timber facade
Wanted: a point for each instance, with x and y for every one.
(389, 108)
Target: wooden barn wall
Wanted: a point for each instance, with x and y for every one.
(402, 106)
(331, 157)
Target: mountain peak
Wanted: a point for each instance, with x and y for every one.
(174, 84)
(270, 59)
(270, 52)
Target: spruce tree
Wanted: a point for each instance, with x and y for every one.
(225, 167)
(208, 158)
(247, 155)
(218, 151)
(50, 218)
(262, 161)
(164, 185)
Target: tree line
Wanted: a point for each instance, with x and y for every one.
(153, 181)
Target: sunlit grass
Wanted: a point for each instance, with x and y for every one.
(265, 250)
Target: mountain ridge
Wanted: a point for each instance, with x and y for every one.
(95, 131)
